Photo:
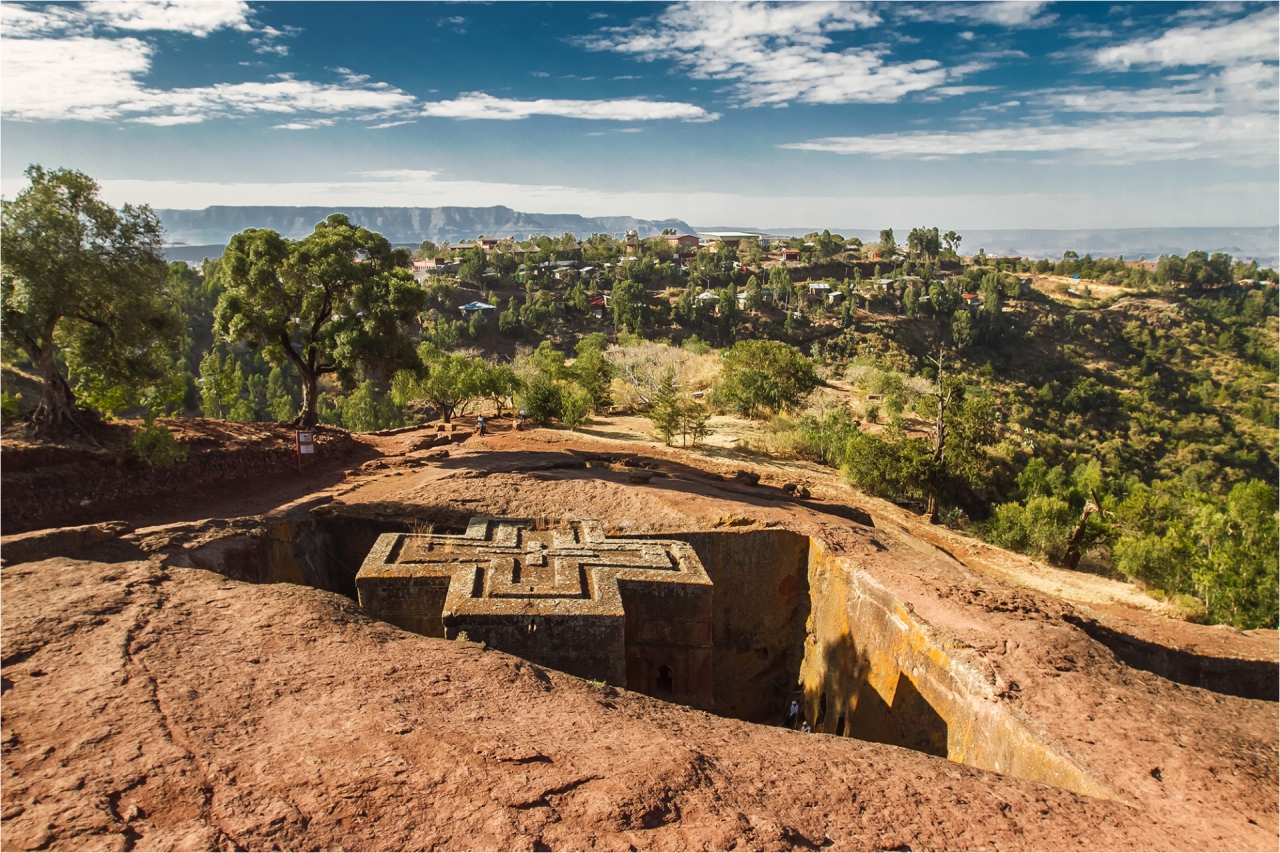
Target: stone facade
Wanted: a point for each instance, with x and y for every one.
(632, 612)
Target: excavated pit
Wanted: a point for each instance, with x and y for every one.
(789, 621)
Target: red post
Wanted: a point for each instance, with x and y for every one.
(306, 445)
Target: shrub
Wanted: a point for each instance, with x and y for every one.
(156, 446)
(541, 399)
(575, 405)
(1042, 528)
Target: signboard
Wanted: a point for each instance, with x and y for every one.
(306, 446)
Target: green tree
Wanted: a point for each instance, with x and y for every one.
(924, 243)
(446, 381)
(1223, 553)
(575, 405)
(339, 297)
(473, 264)
(963, 329)
(728, 307)
(509, 320)
(593, 372)
(887, 244)
(503, 263)
(780, 284)
(963, 430)
(221, 383)
(910, 302)
(763, 376)
(498, 383)
(541, 400)
(754, 300)
(282, 405)
(694, 422)
(85, 284)
(665, 410)
(629, 302)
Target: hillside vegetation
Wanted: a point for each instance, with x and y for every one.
(1113, 417)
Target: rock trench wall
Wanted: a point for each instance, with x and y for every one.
(790, 620)
(43, 485)
(875, 671)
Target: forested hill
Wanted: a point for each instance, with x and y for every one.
(215, 225)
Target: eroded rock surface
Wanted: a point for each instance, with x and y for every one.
(157, 708)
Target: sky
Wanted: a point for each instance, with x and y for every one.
(738, 114)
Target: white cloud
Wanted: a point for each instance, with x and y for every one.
(73, 78)
(1100, 100)
(387, 124)
(268, 38)
(998, 13)
(1247, 139)
(775, 52)
(197, 19)
(95, 79)
(478, 105)
(1248, 88)
(167, 121)
(953, 91)
(193, 18)
(310, 124)
(1252, 38)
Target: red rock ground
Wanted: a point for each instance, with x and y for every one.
(174, 709)
(155, 707)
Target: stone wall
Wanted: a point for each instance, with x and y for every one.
(630, 612)
(760, 601)
(873, 670)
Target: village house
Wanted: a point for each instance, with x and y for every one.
(682, 242)
(476, 308)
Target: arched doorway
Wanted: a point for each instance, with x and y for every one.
(665, 685)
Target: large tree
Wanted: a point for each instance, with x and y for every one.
(86, 282)
(325, 303)
(924, 243)
(447, 381)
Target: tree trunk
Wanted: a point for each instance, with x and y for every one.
(1072, 558)
(309, 416)
(310, 378)
(939, 458)
(57, 403)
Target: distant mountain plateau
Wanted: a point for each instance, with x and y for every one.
(215, 225)
(1261, 243)
(196, 234)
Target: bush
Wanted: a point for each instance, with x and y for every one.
(1042, 528)
(156, 446)
(764, 377)
(1221, 552)
(575, 405)
(542, 400)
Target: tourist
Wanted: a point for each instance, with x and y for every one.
(480, 425)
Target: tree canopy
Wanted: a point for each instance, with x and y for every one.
(86, 284)
(324, 303)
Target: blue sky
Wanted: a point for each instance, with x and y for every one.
(964, 115)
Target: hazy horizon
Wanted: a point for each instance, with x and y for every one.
(977, 115)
